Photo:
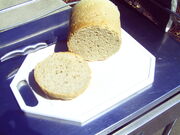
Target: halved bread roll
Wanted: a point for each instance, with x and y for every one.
(63, 75)
(95, 31)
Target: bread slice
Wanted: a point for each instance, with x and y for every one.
(63, 75)
(95, 30)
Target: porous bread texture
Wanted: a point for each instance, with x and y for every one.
(63, 75)
(95, 30)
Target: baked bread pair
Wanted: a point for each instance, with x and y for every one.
(94, 35)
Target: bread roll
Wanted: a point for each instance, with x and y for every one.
(63, 75)
(95, 31)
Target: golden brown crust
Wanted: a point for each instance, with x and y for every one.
(102, 14)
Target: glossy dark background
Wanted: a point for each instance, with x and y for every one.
(166, 83)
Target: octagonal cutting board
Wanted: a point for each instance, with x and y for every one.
(115, 80)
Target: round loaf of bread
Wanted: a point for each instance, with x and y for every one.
(95, 31)
(63, 75)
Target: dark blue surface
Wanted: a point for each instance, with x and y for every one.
(167, 83)
(43, 30)
(27, 94)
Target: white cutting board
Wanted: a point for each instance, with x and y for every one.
(113, 81)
